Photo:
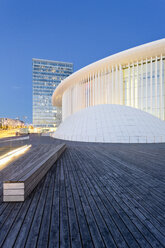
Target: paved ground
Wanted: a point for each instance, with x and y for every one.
(96, 195)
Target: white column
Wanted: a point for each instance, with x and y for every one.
(151, 98)
(101, 86)
(116, 85)
(137, 84)
(133, 86)
(129, 87)
(87, 91)
(112, 86)
(83, 100)
(142, 95)
(108, 86)
(93, 86)
(121, 86)
(104, 87)
(102, 83)
(84, 87)
(146, 103)
(161, 91)
(156, 87)
(79, 93)
(75, 97)
(97, 88)
(91, 91)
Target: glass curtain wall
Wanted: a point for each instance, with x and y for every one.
(46, 77)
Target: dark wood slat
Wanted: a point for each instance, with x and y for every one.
(11, 234)
(9, 222)
(43, 236)
(131, 180)
(110, 220)
(75, 235)
(134, 192)
(35, 227)
(54, 233)
(93, 226)
(95, 195)
(92, 181)
(84, 228)
(124, 197)
(64, 220)
(24, 230)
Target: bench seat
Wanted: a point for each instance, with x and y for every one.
(22, 183)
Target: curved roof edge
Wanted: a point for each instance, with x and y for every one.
(125, 57)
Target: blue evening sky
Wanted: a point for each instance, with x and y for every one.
(75, 31)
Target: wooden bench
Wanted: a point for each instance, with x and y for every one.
(22, 184)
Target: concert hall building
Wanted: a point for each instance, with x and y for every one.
(120, 98)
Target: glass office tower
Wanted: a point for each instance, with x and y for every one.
(46, 76)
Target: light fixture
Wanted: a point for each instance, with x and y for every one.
(16, 152)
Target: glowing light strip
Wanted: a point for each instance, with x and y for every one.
(21, 138)
(8, 156)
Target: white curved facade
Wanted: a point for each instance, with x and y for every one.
(135, 78)
(102, 102)
(112, 123)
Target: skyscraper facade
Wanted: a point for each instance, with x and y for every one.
(46, 77)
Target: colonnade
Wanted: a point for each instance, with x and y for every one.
(140, 84)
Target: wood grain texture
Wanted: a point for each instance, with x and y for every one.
(31, 173)
(95, 195)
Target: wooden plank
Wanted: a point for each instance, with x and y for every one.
(113, 229)
(10, 185)
(11, 233)
(90, 178)
(90, 216)
(40, 155)
(35, 227)
(75, 235)
(8, 192)
(43, 236)
(9, 222)
(83, 224)
(147, 234)
(102, 185)
(31, 177)
(13, 198)
(54, 229)
(64, 220)
(26, 223)
(135, 190)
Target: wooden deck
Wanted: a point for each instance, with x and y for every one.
(104, 195)
(6, 149)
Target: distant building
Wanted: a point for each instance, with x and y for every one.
(11, 123)
(47, 75)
